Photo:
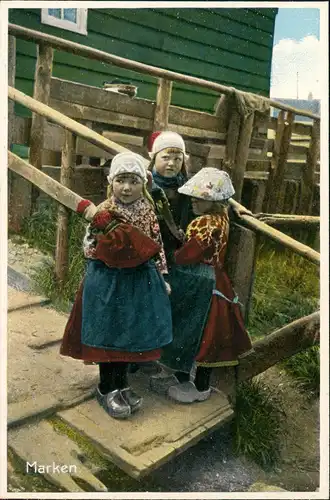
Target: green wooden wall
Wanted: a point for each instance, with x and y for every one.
(229, 46)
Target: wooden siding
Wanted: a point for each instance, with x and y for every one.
(229, 46)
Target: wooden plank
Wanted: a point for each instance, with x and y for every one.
(194, 132)
(123, 138)
(159, 431)
(274, 158)
(277, 191)
(94, 97)
(85, 51)
(19, 191)
(298, 128)
(62, 235)
(258, 195)
(293, 149)
(279, 345)
(80, 112)
(51, 187)
(21, 132)
(308, 177)
(66, 122)
(41, 93)
(253, 223)
(62, 90)
(11, 82)
(242, 154)
(232, 140)
(291, 197)
(163, 101)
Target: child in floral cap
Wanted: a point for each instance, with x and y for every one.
(224, 336)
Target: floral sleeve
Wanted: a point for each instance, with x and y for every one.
(156, 236)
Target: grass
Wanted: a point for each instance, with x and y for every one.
(40, 231)
(259, 424)
(305, 370)
(286, 288)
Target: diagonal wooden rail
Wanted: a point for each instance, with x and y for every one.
(99, 55)
(95, 138)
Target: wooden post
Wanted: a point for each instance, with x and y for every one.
(242, 154)
(274, 159)
(62, 239)
(41, 93)
(308, 176)
(11, 83)
(232, 141)
(163, 101)
(276, 189)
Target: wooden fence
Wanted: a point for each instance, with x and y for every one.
(97, 125)
(272, 170)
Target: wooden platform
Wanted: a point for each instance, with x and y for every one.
(152, 436)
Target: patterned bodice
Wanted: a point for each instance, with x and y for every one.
(212, 232)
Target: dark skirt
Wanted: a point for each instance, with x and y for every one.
(191, 296)
(125, 309)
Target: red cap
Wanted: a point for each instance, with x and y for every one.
(152, 138)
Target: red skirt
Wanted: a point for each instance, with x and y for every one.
(225, 336)
(72, 346)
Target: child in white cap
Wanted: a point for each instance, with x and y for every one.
(122, 310)
(223, 337)
(169, 172)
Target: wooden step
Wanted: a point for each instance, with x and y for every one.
(160, 430)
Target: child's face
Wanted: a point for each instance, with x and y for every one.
(200, 207)
(127, 188)
(168, 162)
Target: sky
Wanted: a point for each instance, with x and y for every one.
(296, 50)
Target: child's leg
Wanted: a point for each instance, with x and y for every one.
(182, 376)
(112, 376)
(202, 378)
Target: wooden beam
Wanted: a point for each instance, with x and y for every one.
(276, 189)
(163, 101)
(62, 236)
(253, 223)
(308, 177)
(48, 185)
(85, 51)
(242, 154)
(275, 158)
(232, 141)
(41, 93)
(67, 123)
(279, 345)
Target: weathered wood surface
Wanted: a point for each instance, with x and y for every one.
(41, 93)
(51, 187)
(275, 158)
(85, 51)
(232, 141)
(299, 248)
(163, 101)
(65, 122)
(63, 214)
(288, 220)
(308, 178)
(242, 153)
(39, 443)
(240, 263)
(158, 432)
(19, 190)
(279, 345)
(276, 193)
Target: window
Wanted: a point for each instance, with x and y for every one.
(67, 19)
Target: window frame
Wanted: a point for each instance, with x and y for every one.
(79, 27)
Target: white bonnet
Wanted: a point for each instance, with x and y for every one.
(167, 140)
(209, 184)
(127, 163)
